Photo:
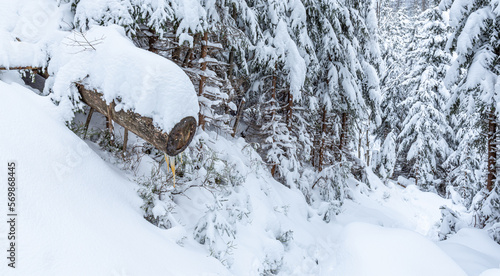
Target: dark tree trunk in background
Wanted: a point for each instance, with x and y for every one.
(322, 138)
(424, 5)
(343, 132)
(274, 107)
(367, 150)
(125, 139)
(289, 111)
(238, 117)
(492, 149)
(89, 117)
(203, 79)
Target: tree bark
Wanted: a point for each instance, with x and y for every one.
(189, 55)
(204, 50)
(492, 149)
(322, 141)
(289, 111)
(89, 117)
(367, 150)
(152, 41)
(231, 65)
(125, 139)
(176, 54)
(343, 132)
(171, 143)
(273, 109)
(109, 120)
(238, 116)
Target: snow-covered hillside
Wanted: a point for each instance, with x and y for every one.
(81, 215)
(306, 113)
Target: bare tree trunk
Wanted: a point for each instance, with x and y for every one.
(152, 41)
(360, 140)
(189, 55)
(109, 120)
(289, 111)
(273, 111)
(238, 116)
(492, 149)
(343, 132)
(176, 54)
(378, 12)
(125, 139)
(322, 141)
(367, 150)
(231, 64)
(204, 51)
(89, 117)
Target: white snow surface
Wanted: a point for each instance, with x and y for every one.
(77, 214)
(80, 215)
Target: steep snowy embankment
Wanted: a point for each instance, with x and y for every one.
(76, 214)
(79, 215)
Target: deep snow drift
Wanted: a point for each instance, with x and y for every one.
(80, 215)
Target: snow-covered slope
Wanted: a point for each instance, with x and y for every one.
(80, 215)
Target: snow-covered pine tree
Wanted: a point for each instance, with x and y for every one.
(279, 73)
(474, 77)
(88, 13)
(426, 132)
(340, 87)
(395, 35)
(366, 24)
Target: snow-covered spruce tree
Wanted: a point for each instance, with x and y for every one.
(366, 24)
(88, 13)
(395, 35)
(474, 77)
(425, 134)
(341, 93)
(330, 168)
(278, 76)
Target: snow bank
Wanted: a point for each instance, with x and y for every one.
(373, 250)
(474, 251)
(77, 215)
(106, 60)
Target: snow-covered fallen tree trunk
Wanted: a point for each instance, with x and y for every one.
(143, 92)
(171, 143)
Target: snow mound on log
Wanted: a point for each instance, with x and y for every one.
(106, 60)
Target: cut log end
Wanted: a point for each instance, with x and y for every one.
(181, 136)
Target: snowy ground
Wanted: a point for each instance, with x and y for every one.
(80, 215)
